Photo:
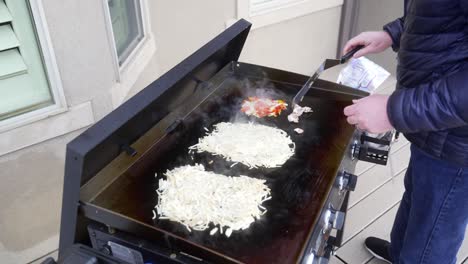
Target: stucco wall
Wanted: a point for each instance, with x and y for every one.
(30, 200)
(78, 33)
(31, 178)
(298, 45)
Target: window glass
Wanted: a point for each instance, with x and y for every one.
(126, 26)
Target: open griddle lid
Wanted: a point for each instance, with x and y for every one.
(104, 141)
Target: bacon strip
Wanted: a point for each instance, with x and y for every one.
(262, 107)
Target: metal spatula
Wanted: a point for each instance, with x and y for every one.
(327, 64)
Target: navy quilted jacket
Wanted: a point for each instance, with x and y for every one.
(430, 105)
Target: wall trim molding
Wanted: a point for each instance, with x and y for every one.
(348, 23)
(283, 10)
(76, 117)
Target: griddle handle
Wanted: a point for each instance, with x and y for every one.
(381, 141)
(350, 54)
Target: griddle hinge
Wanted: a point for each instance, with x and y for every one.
(199, 83)
(172, 127)
(129, 150)
(196, 79)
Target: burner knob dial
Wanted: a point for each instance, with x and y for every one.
(312, 258)
(355, 147)
(347, 181)
(333, 220)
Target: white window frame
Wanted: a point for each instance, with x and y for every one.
(51, 71)
(127, 74)
(277, 11)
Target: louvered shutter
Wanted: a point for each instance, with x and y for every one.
(11, 62)
(23, 82)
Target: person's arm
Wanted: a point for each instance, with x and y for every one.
(394, 29)
(434, 106)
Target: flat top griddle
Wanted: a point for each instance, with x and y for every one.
(299, 187)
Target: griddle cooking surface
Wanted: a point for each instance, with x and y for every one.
(299, 187)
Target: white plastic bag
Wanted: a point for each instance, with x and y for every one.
(363, 74)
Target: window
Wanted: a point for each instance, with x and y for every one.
(127, 26)
(266, 12)
(131, 39)
(24, 83)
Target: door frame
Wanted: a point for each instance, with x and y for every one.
(349, 13)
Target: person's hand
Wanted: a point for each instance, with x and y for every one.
(373, 42)
(369, 114)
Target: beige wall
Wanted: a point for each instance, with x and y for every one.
(180, 31)
(298, 45)
(31, 178)
(83, 53)
(30, 200)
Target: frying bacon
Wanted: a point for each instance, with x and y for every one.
(262, 107)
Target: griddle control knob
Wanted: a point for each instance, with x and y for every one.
(347, 181)
(333, 220)
(106, 249)
(355, 147)
(310, 258)
(338, 223)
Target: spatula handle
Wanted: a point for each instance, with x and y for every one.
(350, 54)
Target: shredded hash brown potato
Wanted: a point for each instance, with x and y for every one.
(251, 144)
(195, 198)
(299, 130)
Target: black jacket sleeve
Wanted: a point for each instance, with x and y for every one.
(434, 106)
(394, 29)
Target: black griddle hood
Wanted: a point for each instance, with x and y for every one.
(108, 137)
(104, 141)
